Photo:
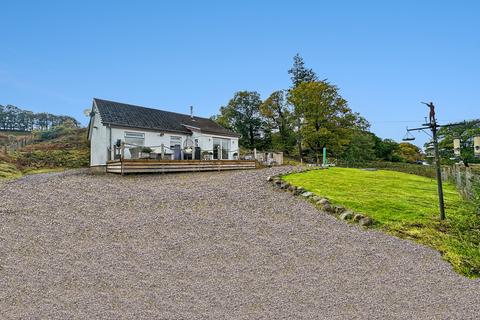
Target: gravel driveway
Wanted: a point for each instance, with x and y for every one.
(206, 245)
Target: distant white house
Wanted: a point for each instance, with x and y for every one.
(173, 135)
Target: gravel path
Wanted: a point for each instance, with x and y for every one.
(206, 245)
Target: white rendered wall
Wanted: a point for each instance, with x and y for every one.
(98, 141)
(154, 140)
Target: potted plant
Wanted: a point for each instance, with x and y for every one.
(207, 155)
(145, 152)
(135, 152)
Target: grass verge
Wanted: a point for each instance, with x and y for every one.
(9, 171)
(404, 205)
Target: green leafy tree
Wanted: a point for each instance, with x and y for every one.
(300, 74)
(409, 152)
(387, 149)
(325, 117)
(465, 131)
(242, 115)
(279, 120)
(361, 147)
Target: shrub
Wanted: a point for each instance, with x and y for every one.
(54, 133)
(54, 158)
(421, 170)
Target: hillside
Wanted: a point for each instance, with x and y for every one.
(58, 148)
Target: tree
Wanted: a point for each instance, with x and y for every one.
(361, 147)
(13, 118)
(409, 152)
(242, 115)
(279, 120)
(325, 116)
(299, 73)
(387, 150)
(465, 131)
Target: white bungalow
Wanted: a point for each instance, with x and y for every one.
(168, 134)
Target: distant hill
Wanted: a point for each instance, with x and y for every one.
(56, 148)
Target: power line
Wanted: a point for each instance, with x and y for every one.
(416, 121)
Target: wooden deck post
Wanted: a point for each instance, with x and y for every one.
(122, 155)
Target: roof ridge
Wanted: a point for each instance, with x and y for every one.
(150, 108)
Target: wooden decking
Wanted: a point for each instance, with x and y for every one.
(163, 166)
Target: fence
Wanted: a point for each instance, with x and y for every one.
(13, 144)
(270, 158)
(467, 179)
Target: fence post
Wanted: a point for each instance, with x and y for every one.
(122, 154)
(468, 183)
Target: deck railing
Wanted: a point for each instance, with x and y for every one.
(126, 166)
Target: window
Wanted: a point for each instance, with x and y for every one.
(134, 138)
(221, 148)
(175, 141)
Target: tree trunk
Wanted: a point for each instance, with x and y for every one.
(251, 137)
(300, 149)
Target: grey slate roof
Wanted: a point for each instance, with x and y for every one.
(127, 115)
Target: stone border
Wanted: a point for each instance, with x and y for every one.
(322, 203)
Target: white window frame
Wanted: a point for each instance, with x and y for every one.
(134, 138)
(222, 142)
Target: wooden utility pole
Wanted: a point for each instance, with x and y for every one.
(433, 126)
(438, 169)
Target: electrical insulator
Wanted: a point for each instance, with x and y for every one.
(476, 146)
(456, 147)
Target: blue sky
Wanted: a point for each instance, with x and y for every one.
(386, 57)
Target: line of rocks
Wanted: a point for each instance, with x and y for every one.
(321, 203)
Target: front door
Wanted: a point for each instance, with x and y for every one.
(221, 148)
(217, 143)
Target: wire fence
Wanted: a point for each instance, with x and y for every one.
(15, 144)
(467, 179)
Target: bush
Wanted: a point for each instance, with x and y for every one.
(54, 158)
(421, 170)
(65, 148)
(54, 133)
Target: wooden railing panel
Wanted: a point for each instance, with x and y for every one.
(163, 166)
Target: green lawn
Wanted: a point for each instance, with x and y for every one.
(404, 205)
